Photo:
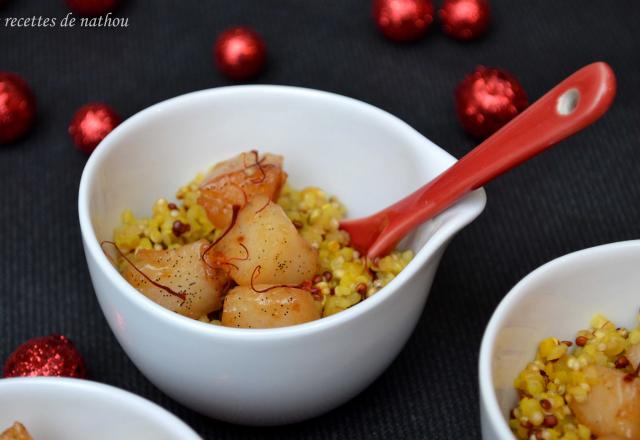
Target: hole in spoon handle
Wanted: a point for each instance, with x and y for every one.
(568, 101)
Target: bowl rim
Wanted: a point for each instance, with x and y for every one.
(101, 391)
(488, 399)
(468, 209)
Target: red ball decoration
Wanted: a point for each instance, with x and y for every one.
(465, 19)
(240, 53)
(17, 107)
(487, 99)
(92, 8)
(92, 123)
(403, 20)
(53, 355)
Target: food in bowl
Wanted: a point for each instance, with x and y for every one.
(17, 431)
(241, 248)
(582, 389)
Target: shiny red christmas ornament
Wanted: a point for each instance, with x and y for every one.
(93, 8)
(487, 99)
(17, 107)
(92, 123)
(240, 53)
(53, 355)
(403, 20)
(465, 19)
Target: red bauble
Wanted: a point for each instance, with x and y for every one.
(240, 53)
(487, 99)
(53, 355)
(17, 107)
(90, 124)
(465, 19)
(403, 20)
(93, 8)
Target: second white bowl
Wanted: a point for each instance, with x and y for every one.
(55, 408)
(556, 299)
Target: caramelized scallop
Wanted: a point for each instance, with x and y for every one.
(264, 236)
(262, 308)
(612, 406)
(181, 271)
(237, 181)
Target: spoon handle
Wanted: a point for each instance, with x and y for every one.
(569, 107)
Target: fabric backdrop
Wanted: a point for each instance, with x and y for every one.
(583, 193)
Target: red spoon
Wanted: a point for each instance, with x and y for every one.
(572, 105)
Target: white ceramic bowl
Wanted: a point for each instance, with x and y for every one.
(363, 155)
(557, 299)
(73, 409)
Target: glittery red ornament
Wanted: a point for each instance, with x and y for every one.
(17, 107)
(465, 19)
(240, 53)
(403, 20)
(487, 99)
(91, 124)
(93, 8)
(53, 355)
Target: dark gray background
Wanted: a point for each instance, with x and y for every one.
(584, 193)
